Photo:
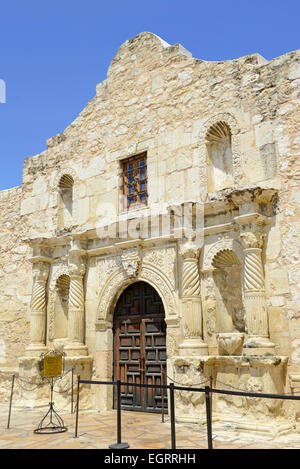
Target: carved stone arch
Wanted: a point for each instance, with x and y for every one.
(163, 286)
(225, 258)
(63, 172)
(226, 117)
(226, 244)
(119, 281)
(59, 272)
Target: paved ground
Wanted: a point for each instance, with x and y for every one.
(139, 430)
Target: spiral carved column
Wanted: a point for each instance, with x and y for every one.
(258, 342)
(38, 310)
(191, 304)
(76, 310)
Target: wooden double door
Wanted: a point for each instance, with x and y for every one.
(140, 348)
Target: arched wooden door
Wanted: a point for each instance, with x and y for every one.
(140, 347)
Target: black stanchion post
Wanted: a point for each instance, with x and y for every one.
(172, 411)
(119, 444)
(72, 391)
(10, 402)
(77, 408)
(210, 394)
(208, 417)
(162, 396)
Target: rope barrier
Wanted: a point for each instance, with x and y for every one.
(208, 390)
(197, 384)
(36, 384)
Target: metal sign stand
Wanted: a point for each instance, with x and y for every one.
(51, 368)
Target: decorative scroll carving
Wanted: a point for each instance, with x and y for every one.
(253, 271)
(131, 261)
(158, 281)
(76, 266)
(40, 276)
(230, 342)
(76, 295)
(108, 295)
(164, 259)
(106, 266)
(209, 303)
(38, 300)
(118, 280)
(190, 278)
(190, 270)
(251, 239)
(154, 256)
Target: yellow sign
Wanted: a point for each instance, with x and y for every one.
(52, 366)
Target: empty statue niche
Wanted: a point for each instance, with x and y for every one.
(65, 203)
(220, 169)
(230, 312)
(61, 306)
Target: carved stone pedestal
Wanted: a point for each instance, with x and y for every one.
(237, 373)
(258, 346)
(34, 391)
(190, 372)
(192, 344)
(230, 343)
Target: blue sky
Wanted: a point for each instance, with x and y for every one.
(52, 54)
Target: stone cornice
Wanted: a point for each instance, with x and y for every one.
(119, 246)
(256, 218)
(238, 199)
(236, 208)
(238, 361)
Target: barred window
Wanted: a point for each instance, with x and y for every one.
(134, 176)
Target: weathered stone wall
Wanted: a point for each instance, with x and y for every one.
(15, 279)
(158, 98)
(282, 253)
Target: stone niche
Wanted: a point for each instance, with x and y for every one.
(229, 301)
(61, 306)
(239, 354)
(220, 166)
(65, 201)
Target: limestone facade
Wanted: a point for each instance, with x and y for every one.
(222, 144)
